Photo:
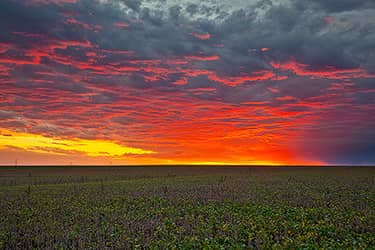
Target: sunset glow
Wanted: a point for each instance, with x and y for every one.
(186, 82)
(42, 144)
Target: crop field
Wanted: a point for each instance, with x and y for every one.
(187, 207)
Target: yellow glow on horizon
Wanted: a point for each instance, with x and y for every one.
(42, 144)
(99, 152)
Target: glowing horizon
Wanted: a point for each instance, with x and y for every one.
(99, 148)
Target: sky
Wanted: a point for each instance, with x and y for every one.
(187, 82)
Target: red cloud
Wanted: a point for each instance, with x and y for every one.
(121, 25)
(181, 81)
(328, 19)
(92, 27)
(236, 80)
(150, 70)
(203, 58)
(4, 71)
(34, 55)
(4, 47)
(273, 90)
(286, 98)
(328, 72)
(205, 36)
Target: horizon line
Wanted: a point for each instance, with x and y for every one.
(189, 165)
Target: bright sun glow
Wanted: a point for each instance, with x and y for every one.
(42, 144)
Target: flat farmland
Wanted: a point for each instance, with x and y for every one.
(187, 207)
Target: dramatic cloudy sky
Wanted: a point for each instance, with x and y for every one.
(168, 81)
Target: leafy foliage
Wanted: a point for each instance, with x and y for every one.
(259, 209)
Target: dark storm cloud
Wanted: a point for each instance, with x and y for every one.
(19, 18)
(286, 29)
(133, 4)
(338, 5)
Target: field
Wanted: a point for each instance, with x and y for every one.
(185, 207)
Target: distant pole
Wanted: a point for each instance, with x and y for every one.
(16, 163)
